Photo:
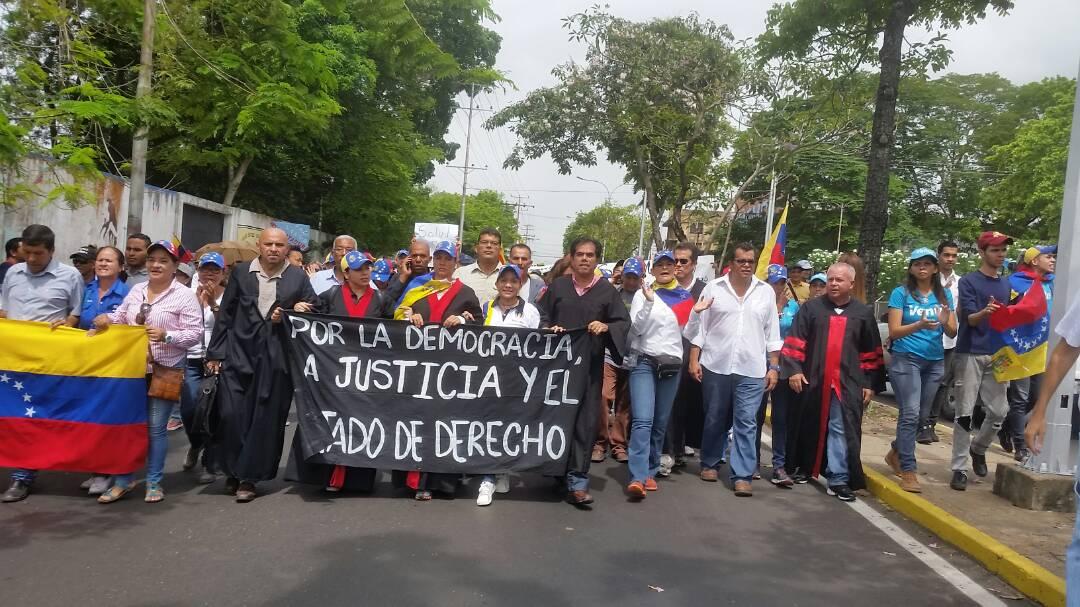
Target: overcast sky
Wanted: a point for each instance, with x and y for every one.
(1038, 39)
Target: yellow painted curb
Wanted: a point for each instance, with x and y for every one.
(1024, 574)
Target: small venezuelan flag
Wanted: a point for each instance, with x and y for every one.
(1022, 330)
(72, 402)
(185, 255)
(775, 249)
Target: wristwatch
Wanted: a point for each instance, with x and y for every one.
(215, 308)
(168, 338)
(774, 368)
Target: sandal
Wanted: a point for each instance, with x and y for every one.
(114, 493)
(154, 494)
(423, 496)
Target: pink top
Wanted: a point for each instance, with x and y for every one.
(176, 310)
(581, 291)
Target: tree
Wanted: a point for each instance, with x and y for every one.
(617, 228)
(485, 209)
(844, 34)
(652, 96)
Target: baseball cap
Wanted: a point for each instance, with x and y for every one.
(993, 239)
(605, 272)
(381, 271)
(516, 269)
(633, 266)
(804, 264)
(819, 276)
(186, 269)
(1033, 252)
(214, 259)
(922, 253)
(169, 247)
(445, 247)
(87, 252)
(354, 260)
(665, 254)
(401, 253)
(776, 273)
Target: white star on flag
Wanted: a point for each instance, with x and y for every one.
(18, 386)
(26, 398)
(30, 412)
(4, 378)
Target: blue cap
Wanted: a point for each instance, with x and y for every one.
(921, 253)
(516, 269)
(401, 253)
(819, 276)
(214, 259)
(354, 260)
(605, 273)
(445, 247)
(633, 266)
(381, 271)
(665, 254)
(777, 273)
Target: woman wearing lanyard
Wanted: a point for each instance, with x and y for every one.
(508, 310)
(356, 298)
(919, 312)
(209, 287)
(655, 362)
(103, 295)
(170, 313)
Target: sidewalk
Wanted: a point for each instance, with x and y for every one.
(1039, 536)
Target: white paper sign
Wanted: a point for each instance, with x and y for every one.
(435, 233)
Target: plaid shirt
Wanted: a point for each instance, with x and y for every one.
(176, 310)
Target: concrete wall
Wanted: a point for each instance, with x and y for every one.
(104, 219)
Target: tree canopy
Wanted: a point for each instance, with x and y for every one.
(617, 228)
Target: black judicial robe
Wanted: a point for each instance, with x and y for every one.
(838, 349)
(688, 411)
(332, 302)
(255, 390)
(464, 301)
(562, 306)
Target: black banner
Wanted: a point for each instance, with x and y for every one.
(386, 394)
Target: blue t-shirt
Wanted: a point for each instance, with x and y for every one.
(975, 291)
(787, 317)
(926, 343)
(92, 307)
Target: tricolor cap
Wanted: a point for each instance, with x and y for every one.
(776, 273)
(169, 247)
(993, 239)
(213, 259)
(819, 276)
(381, 271)
(804, 264)
(1033, 252)
(516, 269)
(605, 272)
(633, 266)
(445, 247)
(401, 253)
(922, 253)
(665, 254)
(354, 260)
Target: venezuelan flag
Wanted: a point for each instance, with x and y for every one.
(72, 402)
(1023, 330)
(417, 289)
(775, 249)
(680, 300)
(185, 255)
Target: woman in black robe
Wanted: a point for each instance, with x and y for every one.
(355, 299)
(435, 302)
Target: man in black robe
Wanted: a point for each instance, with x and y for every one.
(688, 411)
(833, 356)
(585, 299)
(248, 350)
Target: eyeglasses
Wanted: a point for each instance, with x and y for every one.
(682, 262)
(144, 311)
(489, 243)
(743, 262)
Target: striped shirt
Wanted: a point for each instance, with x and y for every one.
(176, 310)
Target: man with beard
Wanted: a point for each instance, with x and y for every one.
(833, 358)
(585, 299)
(248, 350)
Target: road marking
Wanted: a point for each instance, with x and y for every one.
(937, 564)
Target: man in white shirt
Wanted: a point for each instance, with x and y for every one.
(734, 330)
(481, 276)
(948, 252)
(324, 280)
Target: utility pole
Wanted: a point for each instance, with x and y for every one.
(520, 205)
(465, 168)
(526, 233)
(142, 133)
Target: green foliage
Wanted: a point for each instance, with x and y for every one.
(617, 228)
(485, 209)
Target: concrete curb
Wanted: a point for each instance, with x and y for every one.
(1024, 574)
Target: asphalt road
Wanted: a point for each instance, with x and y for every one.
(296, 546)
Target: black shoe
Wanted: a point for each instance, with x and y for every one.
(191, 458)
(205, 477)
(800, 478)
(17, 492)
(959, 480)
(933, 433)
(925, 436)
(978, 463)
(1006, 444)
(1021, 454)
(842, 493)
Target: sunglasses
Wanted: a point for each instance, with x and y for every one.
(743, 262)
(682, 262)
(144, 311)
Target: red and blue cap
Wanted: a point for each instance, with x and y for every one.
(446, 247)
(169, 247)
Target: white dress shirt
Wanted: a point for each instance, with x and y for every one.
(735, 335)
(654, 329)
(952, 285)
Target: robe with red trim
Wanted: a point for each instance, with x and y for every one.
(838, 349)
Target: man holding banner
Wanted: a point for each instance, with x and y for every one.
(585, 299)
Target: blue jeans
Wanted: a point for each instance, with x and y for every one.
(836, 468)
(189, 394)
(781, 397)
(739, 396)
(24, 474)
(915, 382)
(157, 418)
(651, 399)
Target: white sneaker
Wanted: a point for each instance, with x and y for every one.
(86, 484)
(666, 464)
(689, 451)
(502, 483)
(99, 485)
(487, 490)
